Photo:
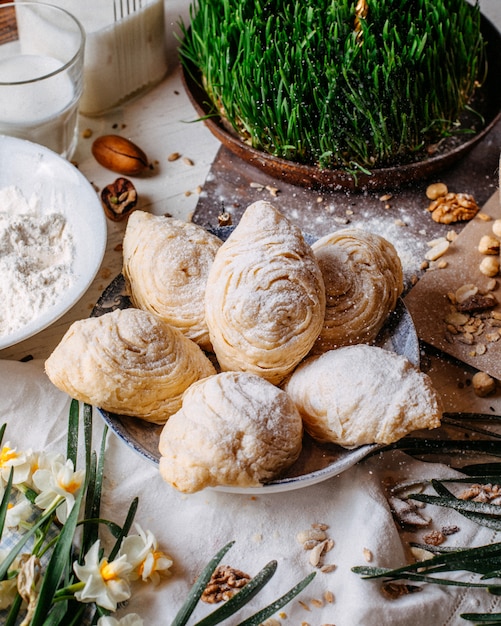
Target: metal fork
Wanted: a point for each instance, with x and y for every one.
(122, 8)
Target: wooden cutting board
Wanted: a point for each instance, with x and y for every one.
(429, 304)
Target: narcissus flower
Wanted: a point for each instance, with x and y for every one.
(147, 560)
(11, 458)
(105, 583)
(58, 481)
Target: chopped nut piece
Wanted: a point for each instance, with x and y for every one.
(437, 250)
(453, 207)
(457, 319)
(450, 530)
(320, 526)
(484, 217)
(224, 583)
(465, 292)
(173, 156)
(385, 197)
(488, 245)
(329, 597)
(119, 199)
(434, 538)
(188, 161)
(326, 569)
(368, 555)
(316, 553)
(478, 302)
(312, 533)
(489, 266)
(224, 219)
(394, 590)
(436, 190)
(483, 384)
(496, 227)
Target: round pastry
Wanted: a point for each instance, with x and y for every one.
(362, 394)
(233, 429)
(128, 362)
(165, 264)
(265, 298)
(363, 278)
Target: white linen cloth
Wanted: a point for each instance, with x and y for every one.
(191, 529)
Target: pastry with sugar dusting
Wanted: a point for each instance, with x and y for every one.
(165, 264)
(363, 279)
(265, 298)
(234, 429)
(128, 362)
(363, 394)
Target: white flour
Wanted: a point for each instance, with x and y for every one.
(36, 256)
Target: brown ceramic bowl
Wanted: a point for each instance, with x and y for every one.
(385, 178)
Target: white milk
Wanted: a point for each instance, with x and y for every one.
(45, 111)
(123, 57)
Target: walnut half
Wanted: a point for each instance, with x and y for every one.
(224, 583)
(453, 207)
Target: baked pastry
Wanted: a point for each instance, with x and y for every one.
(128, 362)
(363, 394)
(265, 298)
(233, 429)
(165, 264)
(363, 278)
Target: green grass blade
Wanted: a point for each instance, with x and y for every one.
(60, 560)
(241, 598)
(125, 528)
(259, 617)
(4, 505)
(196, 591)
(73, 427)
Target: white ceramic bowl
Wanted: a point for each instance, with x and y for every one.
(34, 169)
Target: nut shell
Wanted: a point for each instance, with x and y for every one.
(120, 155)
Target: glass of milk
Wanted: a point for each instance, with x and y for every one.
(125, 53)
(41, 74)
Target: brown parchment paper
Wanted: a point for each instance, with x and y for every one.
(428, 303)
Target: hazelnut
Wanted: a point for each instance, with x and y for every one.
(483, 384)
(120, 155)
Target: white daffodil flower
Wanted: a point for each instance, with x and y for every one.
(105, 583)
(143, 554)
(132, 619)
(18, 512)
(43, 460)
(59, 481)
(10, 457)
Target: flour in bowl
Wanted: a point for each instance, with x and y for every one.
(36, 259)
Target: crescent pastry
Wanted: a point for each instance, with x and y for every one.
(265, 299)
(165, 263)
(363, 280)
(362, 394)
(128, 362)
(233, 429)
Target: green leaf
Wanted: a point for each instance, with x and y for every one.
(4, 505)
(125, 528)
(59, 562)
(271, 609)
(196, 591)
(241, 598)
(72, 440)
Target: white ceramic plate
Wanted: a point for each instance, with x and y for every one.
(317, 462)
(61, 188)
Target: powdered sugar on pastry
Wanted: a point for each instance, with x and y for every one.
(166, 263)
(363, 394)
(265, 299)
(363, 278)
(128, 362)
(234, 429)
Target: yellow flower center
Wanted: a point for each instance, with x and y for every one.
(107, 571)
(70, 486)
(6, 455)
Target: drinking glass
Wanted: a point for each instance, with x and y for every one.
(41, 74)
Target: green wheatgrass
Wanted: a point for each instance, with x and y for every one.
(300, 81)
